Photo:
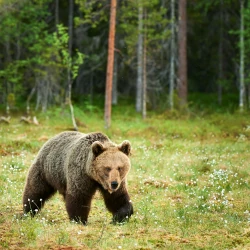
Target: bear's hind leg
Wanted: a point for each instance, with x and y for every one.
(36, 192)
(34, 201)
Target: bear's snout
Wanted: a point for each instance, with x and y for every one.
(114, 185)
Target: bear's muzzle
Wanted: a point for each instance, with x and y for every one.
(114, 185)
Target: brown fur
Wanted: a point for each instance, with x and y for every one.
(76, 165)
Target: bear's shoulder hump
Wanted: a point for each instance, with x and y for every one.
(96, 136)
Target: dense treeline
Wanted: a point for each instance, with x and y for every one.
(42, 54)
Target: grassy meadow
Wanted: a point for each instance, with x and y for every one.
(189, 183)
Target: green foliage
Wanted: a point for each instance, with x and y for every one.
(46, 53)
(22, 30)
(94, 13)
(31, 50)
(60, 40)
(154, 24)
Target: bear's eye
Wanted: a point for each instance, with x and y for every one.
(119, 169)
(107, 169)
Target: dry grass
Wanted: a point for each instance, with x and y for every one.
(190, 186)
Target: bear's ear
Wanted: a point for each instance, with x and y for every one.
(97, 148)
(125, 147)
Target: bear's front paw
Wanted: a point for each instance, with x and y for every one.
(123, 214)
(79, 220)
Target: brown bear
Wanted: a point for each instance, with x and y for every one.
(76, 165)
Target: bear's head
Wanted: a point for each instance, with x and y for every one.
(110, 164)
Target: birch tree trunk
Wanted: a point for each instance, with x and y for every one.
(110, 65)
(172, 57)
(182, 67)
(242, 83)
(29, 98)
(70, 80)
(139, 60)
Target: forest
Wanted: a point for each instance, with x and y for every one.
(167, 55)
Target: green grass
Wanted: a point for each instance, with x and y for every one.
(189, 183)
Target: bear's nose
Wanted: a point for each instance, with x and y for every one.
(114, 185)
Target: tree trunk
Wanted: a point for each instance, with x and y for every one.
(182, 40)
(144, 87)
(110, 65)
(114, 87)
(221, 36)
(18, 49)
(242, 83)
(115, 73)
(70, 80)
(57, 14)
(91, 88)
(172, 57)
(71, 11)
(29, 98)
(139, 61)
(8, 51)
(248, 98)
(38, 94)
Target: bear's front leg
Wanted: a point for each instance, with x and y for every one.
(78, 207)
(124, 213)
(119, 204)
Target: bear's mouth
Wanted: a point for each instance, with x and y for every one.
(113, 187)
(107, 187)
(111, 190)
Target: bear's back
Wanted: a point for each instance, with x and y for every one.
(63, 144)
(58, 145)
(59, 156)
